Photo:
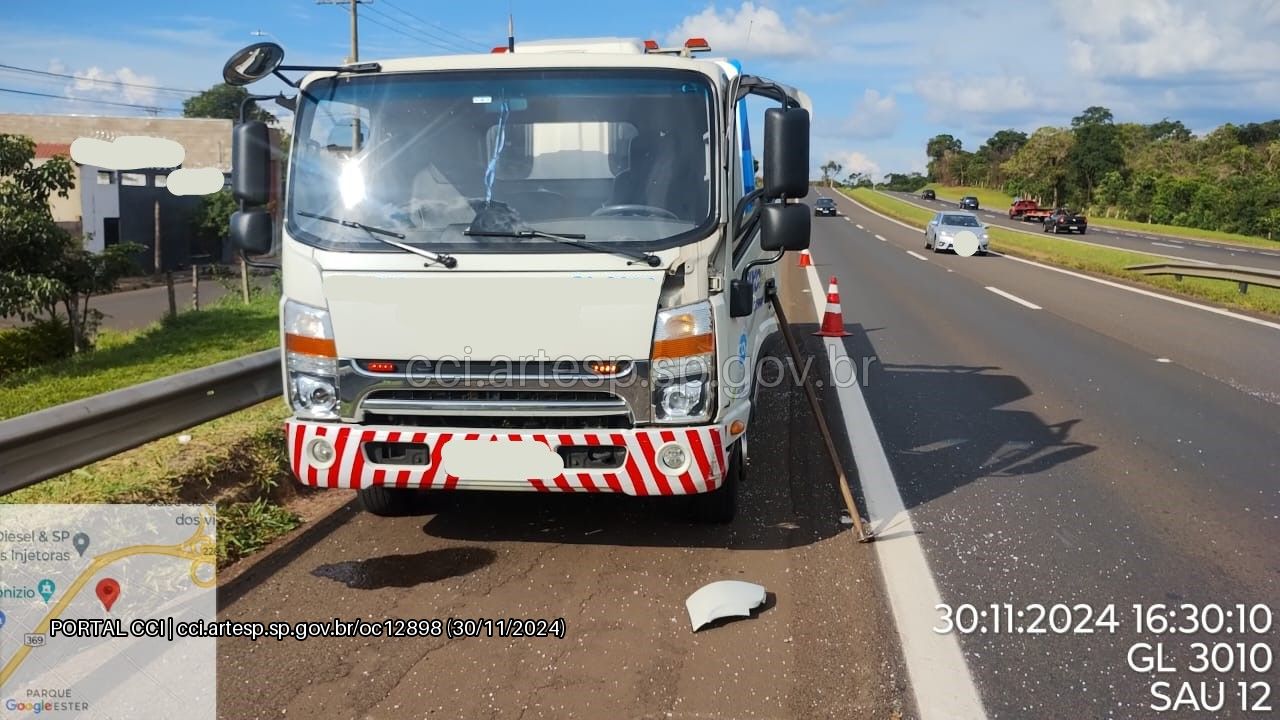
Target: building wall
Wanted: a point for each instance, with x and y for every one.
(99, 202)
(207, 141)
(91, 204)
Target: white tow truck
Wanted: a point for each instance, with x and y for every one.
(541, 268)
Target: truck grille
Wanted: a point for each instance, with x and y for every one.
(503, 409)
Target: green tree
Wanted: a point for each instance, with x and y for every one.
(1168, 129)
(45, 270)
(941, 150)
(1096, 150)
(211, 220)
(1040, 168)
(830, 169)
(222, 101)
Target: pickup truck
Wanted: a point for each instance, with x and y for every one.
(1063, 219)
(1027, 210)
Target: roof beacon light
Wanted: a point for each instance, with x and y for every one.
(693, 45)
(499, 49)
(650, 45)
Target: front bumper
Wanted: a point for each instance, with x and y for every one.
(821, 211)
(945, 244)
(641, 472)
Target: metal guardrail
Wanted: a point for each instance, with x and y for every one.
(1239, 274)
(49, 442)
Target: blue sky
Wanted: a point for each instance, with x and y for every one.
(885, 75)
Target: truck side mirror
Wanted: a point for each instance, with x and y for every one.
(786, 153)
(252, 231)
(251, 162)
(784, 227)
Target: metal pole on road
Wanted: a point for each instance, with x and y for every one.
(850, 504)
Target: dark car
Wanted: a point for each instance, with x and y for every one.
(825, 206)
(969, 202)
(928, 195)
(1063, 220)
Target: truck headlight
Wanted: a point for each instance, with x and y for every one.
(683, 367)
(311, 361)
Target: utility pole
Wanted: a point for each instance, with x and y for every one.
(354, 57)
(355, 24)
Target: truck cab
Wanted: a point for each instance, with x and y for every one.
(539, 269)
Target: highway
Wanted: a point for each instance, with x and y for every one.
(1138, 241)
(618, 569)
(1053, 438)
(1064, 441)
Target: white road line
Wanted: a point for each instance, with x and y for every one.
(1015, 298)
(881, 238)
(916, 255)
(861, 228)
(1100, 281)
(1169, 245)
(940, 678)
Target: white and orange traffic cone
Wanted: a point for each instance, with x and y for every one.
(805, 259)
(833, 318)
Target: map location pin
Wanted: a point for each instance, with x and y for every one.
(2, 618)
(45, 587)
(108, 591)
(80, 542)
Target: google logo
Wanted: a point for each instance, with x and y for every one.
(35, 707)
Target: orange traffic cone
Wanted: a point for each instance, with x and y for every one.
(833, 318)
(805, 260)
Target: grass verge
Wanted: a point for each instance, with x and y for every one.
(236, 462)
(1089, 258)
(193, 339)
(996, 200)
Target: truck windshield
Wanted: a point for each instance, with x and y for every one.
(620, 156)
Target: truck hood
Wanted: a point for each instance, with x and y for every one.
(493, 316)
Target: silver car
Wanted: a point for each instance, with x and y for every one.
(940, 234)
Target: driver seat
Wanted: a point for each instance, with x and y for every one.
(649, 175)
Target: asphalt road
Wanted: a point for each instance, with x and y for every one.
(618, 570)
(136, 309)
(1105, 448)
(1147, 242)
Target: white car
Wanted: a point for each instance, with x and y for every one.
(945, 227)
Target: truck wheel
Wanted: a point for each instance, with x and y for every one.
(719, 506)
(392, 502)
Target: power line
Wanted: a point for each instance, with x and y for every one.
(437, 25)
(405, 33)
(149, 108)
(100, 81)
(421, 35)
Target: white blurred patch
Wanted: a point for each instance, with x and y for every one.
(965, 244)
(132, 152)
(196, 181)
(500, 460)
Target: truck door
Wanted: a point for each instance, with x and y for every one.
(749, 331)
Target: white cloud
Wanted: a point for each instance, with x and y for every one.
(750, 30)
(948, 96)
(1151, 39)
(98, 83)
(850, 162)
(875, 116)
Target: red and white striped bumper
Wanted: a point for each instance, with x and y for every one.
(640, 473)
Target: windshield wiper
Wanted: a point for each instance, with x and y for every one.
(377, 233)
(575, 239)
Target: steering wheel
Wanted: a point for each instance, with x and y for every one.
(635, 210)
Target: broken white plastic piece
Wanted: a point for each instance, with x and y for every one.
(184, 439)
(726, 598)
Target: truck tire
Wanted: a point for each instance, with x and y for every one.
(720, 506)
(392, 502)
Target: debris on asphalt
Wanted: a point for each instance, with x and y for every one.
(726, 598)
